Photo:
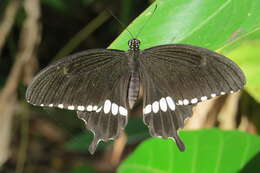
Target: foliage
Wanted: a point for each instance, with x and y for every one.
(247, 56)
(207, 151)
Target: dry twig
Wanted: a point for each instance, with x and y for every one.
(118, 149)
(200, 114)
(28, 43)
(7, 21)
(227, 115)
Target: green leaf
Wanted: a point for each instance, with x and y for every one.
(247, 57)
(245, 53)
(59, 5)
(79, 143)
(212, 150)
(83, 169)
(136, 130)
(209, 24)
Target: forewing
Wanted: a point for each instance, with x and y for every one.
(193, 74)
(93, 83)
(77, 80)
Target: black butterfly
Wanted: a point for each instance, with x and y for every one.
(103, 86)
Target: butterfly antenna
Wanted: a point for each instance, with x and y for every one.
(146, 21)
(123, 26)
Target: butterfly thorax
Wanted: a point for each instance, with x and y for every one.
(133, 54)
(134, 80)
(134, 44)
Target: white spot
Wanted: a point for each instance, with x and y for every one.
(155, 106)
(114, 109)
(89, 108)
(71, 107)
(231, 91)
(122, 111)
(50, 105)
(81, 108)
(163, 104)
(107, 106)
(147, 109)
(222, 93)
(195, 100)
(185, 102)
(41, 105)
(172, 139)
(203, 98)
(60, 106)
(95, 108)
(213, 95)
(99, 109)
(170, 103)
(180, 102)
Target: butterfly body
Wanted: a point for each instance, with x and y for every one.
(103, 86)
(133, 64)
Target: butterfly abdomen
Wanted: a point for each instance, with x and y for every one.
(133, 89)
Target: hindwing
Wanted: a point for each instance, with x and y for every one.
(175, 78)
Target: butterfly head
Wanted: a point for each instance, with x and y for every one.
(134, 44)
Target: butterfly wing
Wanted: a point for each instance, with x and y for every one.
(192, 72)
(93, 83)
(160, 113)
(181, 76)
(107, 126)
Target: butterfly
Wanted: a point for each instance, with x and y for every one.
(104, 85)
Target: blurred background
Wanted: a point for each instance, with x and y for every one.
(33, 33)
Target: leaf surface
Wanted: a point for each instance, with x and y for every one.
(212, 150)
